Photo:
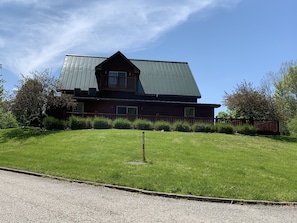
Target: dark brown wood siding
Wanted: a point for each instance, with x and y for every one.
(148, 108)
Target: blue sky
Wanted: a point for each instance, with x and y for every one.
(224, 41)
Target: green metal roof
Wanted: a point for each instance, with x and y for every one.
(156, 77)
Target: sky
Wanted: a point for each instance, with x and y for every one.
(225, 42)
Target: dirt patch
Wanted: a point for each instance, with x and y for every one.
(137, 163)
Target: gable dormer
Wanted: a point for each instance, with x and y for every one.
(117, 73)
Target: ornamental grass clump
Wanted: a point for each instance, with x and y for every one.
(143, 124)
(199, 127)
(121, 123)
(162, 126)
(102, 123)
(181, 126)
(52, 123)
(246, 129)
(224, 128)
(79, 123)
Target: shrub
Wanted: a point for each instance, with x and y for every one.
(143, 124)
(162, 125)
(292, 126)
(102, 123)
(89, 123)
(203, 127)
(198, 127)
(224, 128)
(246, 129)
(121, 123)
(79, 123)
(210, 128)
(51, 123)
(181, 126)
(7, 120)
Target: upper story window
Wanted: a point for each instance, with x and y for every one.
(117, 79)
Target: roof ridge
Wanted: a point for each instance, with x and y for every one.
(76, 55)
(144, 60)
(160, 61)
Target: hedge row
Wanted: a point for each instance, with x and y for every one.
(74, 122)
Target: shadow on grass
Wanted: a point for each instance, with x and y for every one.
(21, 134)
(283, 138)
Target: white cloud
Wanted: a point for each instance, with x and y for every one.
(36, 34)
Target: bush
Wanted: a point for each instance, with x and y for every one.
(224, 128)
(210, 128)
(246, 129)
(102, 123)
(143, 124)
(89, 123)
(7, 120)
(79, 123)
(198, 127)
(121, 123)
(203, 127)
(51, 123)
(292, 126)
(181, 126)
(162, 125)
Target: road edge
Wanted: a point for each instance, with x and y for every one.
(154, 193)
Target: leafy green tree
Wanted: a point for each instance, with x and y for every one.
(37, 95)
(251, 103)
(286, 94)
(7, 120)
(284, 91)
(292, 126)
(226, 114)
(1, 90)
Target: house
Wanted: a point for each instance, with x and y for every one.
(121, 86)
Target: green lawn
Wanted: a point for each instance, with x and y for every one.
(206, 164)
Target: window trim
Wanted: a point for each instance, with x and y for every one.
(116, 79)
(79, 104)
(126, 107)
(189, 108)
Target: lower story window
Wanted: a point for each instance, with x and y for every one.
(79, 107)
(189, 112)
(127, 110)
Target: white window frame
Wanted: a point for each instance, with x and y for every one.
(186, 114)
(127, 109)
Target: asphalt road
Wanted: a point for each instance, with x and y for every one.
(25, 198)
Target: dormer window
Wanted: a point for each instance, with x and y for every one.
(117, 79)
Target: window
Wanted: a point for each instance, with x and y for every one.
(79, 107)
(189, 112)
(92, 92)
(127, 110)
(77, 91)
(117, 79)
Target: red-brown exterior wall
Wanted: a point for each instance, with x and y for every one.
(149, 108)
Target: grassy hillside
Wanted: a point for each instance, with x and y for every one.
(220, 165)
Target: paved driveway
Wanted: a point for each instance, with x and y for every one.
(25, 198)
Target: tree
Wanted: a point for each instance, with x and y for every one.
(226, 114)
(36, 96)
(1, 90)
(7, 120)
(284, 93)
(251, 103)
